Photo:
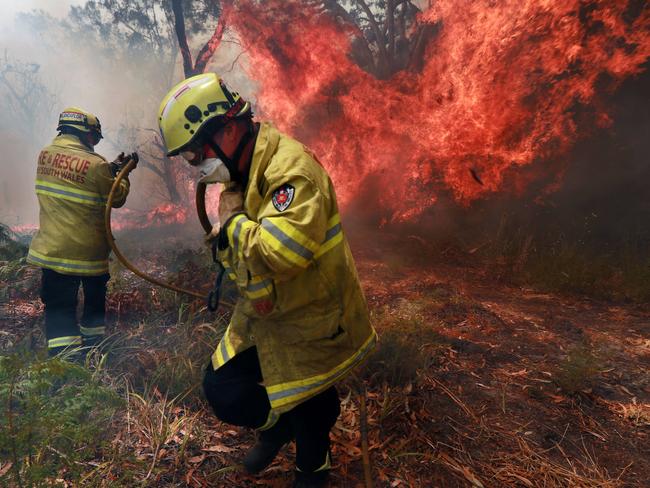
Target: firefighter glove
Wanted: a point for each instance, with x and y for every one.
(214, 233)
(231, 203)
(122, 160)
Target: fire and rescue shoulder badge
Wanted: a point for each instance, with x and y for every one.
(283, 196)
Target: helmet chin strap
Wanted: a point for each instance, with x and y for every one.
(232, 163)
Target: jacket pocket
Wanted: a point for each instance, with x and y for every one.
(306, 291)
(309, 327)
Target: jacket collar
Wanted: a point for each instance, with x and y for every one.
(69, 141)
(266, 144)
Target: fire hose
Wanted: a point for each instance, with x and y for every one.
(205, 223)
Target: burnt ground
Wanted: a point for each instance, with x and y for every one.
(475, 383)
(524, 388)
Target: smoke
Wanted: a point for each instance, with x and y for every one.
(121, 84)
(501, 93)
(604, 190)
(73, 75)
(599, 203)
(529, 126)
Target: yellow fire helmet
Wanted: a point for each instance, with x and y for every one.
(191, 104)
(81, 120)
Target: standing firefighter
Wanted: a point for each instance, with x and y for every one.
(301, 323)
(72, 184)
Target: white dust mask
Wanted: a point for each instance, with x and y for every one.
(212, 170)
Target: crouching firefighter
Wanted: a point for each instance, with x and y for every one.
(72, 185)
(301, 323)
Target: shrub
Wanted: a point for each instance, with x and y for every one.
(10, 246)
(407, 342)
(53, 416)
(577, 371)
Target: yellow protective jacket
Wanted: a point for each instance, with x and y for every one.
(72, 185)
(302, 304)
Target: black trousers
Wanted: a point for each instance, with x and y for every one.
(237, 397)
(59, 294)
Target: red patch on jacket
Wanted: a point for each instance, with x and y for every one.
(283, 196)
(263, 307)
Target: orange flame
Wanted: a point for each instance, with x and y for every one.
(162, 215)
(501, 87)
(24, 229)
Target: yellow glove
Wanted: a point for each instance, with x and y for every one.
(231, 202)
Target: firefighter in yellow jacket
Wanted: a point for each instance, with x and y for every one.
(301, 323)
(72, 185)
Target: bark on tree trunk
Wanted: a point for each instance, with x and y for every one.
(179, 27)
(390, 24)
(383, 62)
(191, 68)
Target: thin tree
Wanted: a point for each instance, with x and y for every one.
(156, 29)
(388, 37)
(198, 66)
(26, 97)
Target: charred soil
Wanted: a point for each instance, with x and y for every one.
(475, 383)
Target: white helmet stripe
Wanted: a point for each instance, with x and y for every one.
(181, 90)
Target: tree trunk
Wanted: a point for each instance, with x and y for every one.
(191, 68)
(179, 28)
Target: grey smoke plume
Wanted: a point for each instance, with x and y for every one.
(121, 85)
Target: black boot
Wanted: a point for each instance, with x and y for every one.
(318, 479)
(268, 446)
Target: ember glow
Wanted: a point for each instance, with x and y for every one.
(25, 229)
(504, 85)
(162, 215)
